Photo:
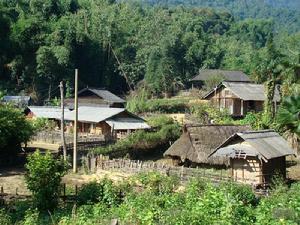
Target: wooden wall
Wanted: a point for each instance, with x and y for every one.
(246, 170)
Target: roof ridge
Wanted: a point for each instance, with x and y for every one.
(257, 131)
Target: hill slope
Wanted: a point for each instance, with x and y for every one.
(285, 13)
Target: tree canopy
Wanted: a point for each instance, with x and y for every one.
(117, 44)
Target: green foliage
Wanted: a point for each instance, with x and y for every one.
(43, 178)
(40, 124)
(142, 105)
(208, 113)
(156, 183)
(104, 192)
(31, 217)
(255, 120)
(118, 44)
(14, 130)
(143, 141)
(157, 199)
(288, 116)
(4, 218)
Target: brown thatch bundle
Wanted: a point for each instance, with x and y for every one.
(198, 141)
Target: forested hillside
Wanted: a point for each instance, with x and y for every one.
(118, 45)
(284, 13)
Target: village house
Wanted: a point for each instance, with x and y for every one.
(18, 101)
(96, 97)
(256, 157)
(198, 141)
(226, 75)
(113, 123)
(239, 98)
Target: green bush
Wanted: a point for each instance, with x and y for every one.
(157, 105)
(105, 192)
(205, 113)
(4, 218)
(43, 177)
(14, 130)
(40, 124)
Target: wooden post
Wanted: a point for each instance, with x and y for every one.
(76, 191)
(62, 121)
(75, 123)
(2, 191)
(242, 107)
(64, 191)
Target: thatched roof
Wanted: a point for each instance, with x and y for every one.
(198, 141)
(228, 75)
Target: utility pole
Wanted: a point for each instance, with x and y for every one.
(62, 121)
(75, 123)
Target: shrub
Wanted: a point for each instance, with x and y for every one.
(4, 218)
(43, 179)
(31, 217)
(104, 192)
(14, 130)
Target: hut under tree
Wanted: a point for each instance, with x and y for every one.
(198, 141)
(256, 157)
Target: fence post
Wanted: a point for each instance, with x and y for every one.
(76, 191)
(64, 194)
(181, 175)
(2, 191)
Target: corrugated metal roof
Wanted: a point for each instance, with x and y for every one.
(232, 151)
(93, 114)
(105, 94)
(228, 75)
(246, 91)
(267, 143)
(127, 123)
(48, 112)
(16, 98)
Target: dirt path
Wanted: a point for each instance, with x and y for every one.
(12, 181)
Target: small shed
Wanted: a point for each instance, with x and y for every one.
(239, 97)
(99, 97)
(226, 75)
(256, 157)
(198, 141)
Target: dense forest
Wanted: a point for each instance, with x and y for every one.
(125, 45)
(284, 13)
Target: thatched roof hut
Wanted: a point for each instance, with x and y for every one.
(198, 141)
